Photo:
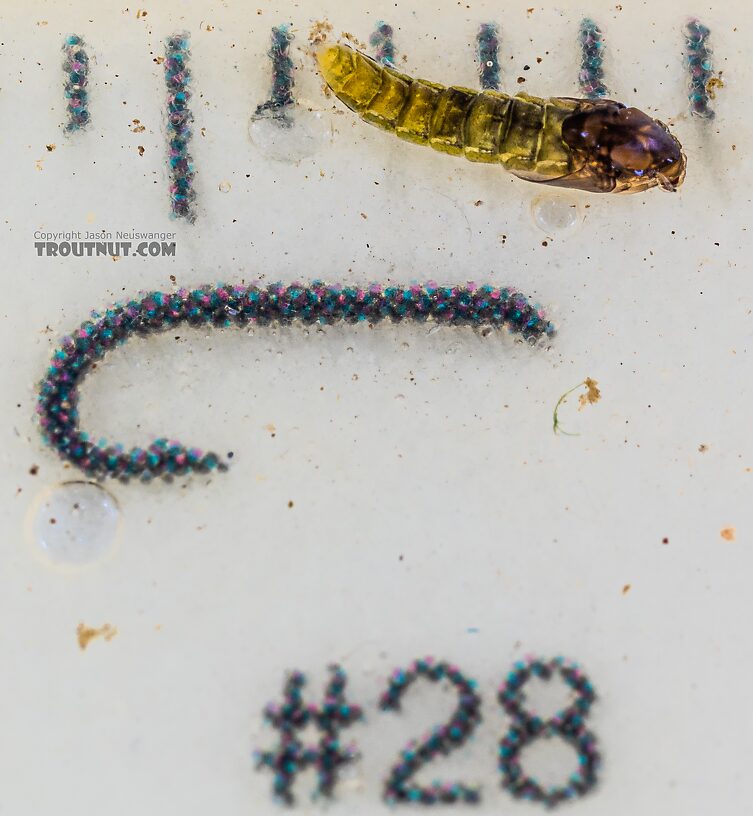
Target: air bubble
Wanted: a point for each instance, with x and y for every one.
(75, 524)
(290, 135)
(556, 215)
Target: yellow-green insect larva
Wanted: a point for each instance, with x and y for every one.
(596, 145)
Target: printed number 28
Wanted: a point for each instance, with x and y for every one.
(526, 726)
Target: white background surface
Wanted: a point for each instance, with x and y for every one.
(429, 493)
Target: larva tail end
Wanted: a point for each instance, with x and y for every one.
(336, 63)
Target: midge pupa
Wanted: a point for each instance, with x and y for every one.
(596, 145)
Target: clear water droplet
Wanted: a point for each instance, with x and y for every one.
(75, 523)
(292, 136)
(556, 215)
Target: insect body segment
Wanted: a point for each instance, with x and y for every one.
(531, 137)
(520, 132)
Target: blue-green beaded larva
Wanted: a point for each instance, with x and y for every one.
(591, 74)
(76, 70)
(383, 44)
(281, 95)
(698, 58)
(179, 120)
(487, 47)
(223, 305)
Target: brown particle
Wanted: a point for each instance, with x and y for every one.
(521, 80)
(172, 278)
(592, 394)
(530, 11)
(665, 540)
(290, 503)
(319, 31)
(50, 147)
(712, 85)
(626, 589)
(364, 216)
(346, 35)
(86, 634)
(478, 203)
(539, 60)
(53, 521)
(545, 243)
(728, 533)
(702, 448)
(137, 126)
(33, 470)
(141, 149)
(158, 60)
(141, 13)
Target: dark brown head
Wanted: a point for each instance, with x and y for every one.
(619, 149)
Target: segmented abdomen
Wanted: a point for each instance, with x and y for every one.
(520, 132)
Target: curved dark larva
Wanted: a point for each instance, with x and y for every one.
(242, 305)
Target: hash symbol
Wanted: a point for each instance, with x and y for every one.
(291, 756)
